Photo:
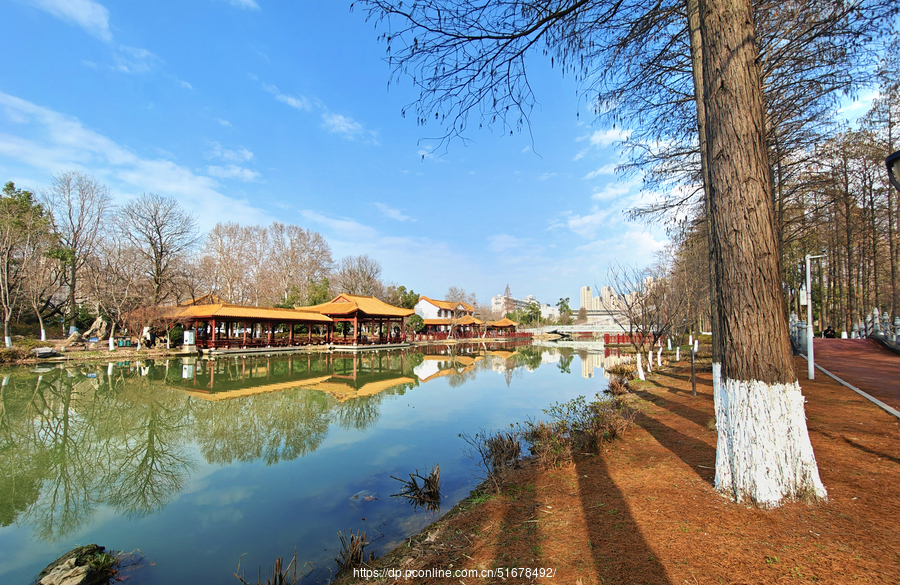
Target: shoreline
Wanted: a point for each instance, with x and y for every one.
(645, 510)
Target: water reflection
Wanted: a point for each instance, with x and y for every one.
(76, 437)
(77, 441)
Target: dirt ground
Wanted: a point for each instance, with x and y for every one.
(645, 511)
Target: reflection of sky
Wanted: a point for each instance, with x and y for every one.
(263, 511)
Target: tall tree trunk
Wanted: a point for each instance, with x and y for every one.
(693, 13)
(763, 453)
(70, 319)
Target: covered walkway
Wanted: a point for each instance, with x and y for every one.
(862, 363)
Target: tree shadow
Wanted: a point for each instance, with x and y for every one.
(619, 550)
(694, 415)
(692, 451)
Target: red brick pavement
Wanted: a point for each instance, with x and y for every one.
(862, 363)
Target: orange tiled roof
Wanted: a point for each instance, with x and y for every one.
(469, 320)
(504, 322)
(448, 305)
(345, 304)
(226, 311)
(436, 321)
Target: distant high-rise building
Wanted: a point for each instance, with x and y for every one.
(586, 298)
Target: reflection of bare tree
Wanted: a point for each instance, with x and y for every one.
(23, 462)
(67, 496)
(359, 413)
(152, 465)
(275, 427)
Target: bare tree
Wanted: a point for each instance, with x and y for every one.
(162, 231)
(44, 278)
(80, 206)
(463, 303)
(359, 275)
(224, 262)
(470, 59)
(24, 229)
(116, 280)
(645, 306)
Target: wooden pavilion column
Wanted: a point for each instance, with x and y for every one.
(213, 335)
(309, 333)
(356, 327)
(270, 333)
(291, 334)
(245, 335)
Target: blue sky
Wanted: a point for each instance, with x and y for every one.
(255, 111)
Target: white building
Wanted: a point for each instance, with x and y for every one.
(499, 304)
(440, 314)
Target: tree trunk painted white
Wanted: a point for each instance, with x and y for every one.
(763, 452)
(43, 334)
(650, 361)
(640, 369)
(112, 337)
(678, 354)
(659, 357)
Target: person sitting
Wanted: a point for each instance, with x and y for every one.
(829, 332)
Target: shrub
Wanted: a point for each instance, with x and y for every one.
(577, 426)
(495, 454)
(617, 386)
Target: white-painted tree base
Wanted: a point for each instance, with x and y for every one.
(763, 453)
(640, 369)
(678, 354)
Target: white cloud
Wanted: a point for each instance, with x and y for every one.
(300, 103)
(232, 172)
(609, 169)
(134, 60)
(600, 139)
(612, 191)
(52, 142)
(607, 137)
(93, 18)
(227, 154)
(546, 176)
(223, 122)
(586, 225)
(344, 226)
(90, 16)
(505, 243)
(334, 123)
(184, 84)
(341, 124)
(248, 4)
(392, 213)
(863, 104)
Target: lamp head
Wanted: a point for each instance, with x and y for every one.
(893, 168)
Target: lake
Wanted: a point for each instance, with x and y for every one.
(198, 463)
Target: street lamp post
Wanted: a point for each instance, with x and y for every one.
(810, 360)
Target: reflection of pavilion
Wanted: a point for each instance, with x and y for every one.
(343, 375)
(438, 365)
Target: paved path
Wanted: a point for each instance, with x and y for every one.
(862, 363)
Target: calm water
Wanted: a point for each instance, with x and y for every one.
(198, 462)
